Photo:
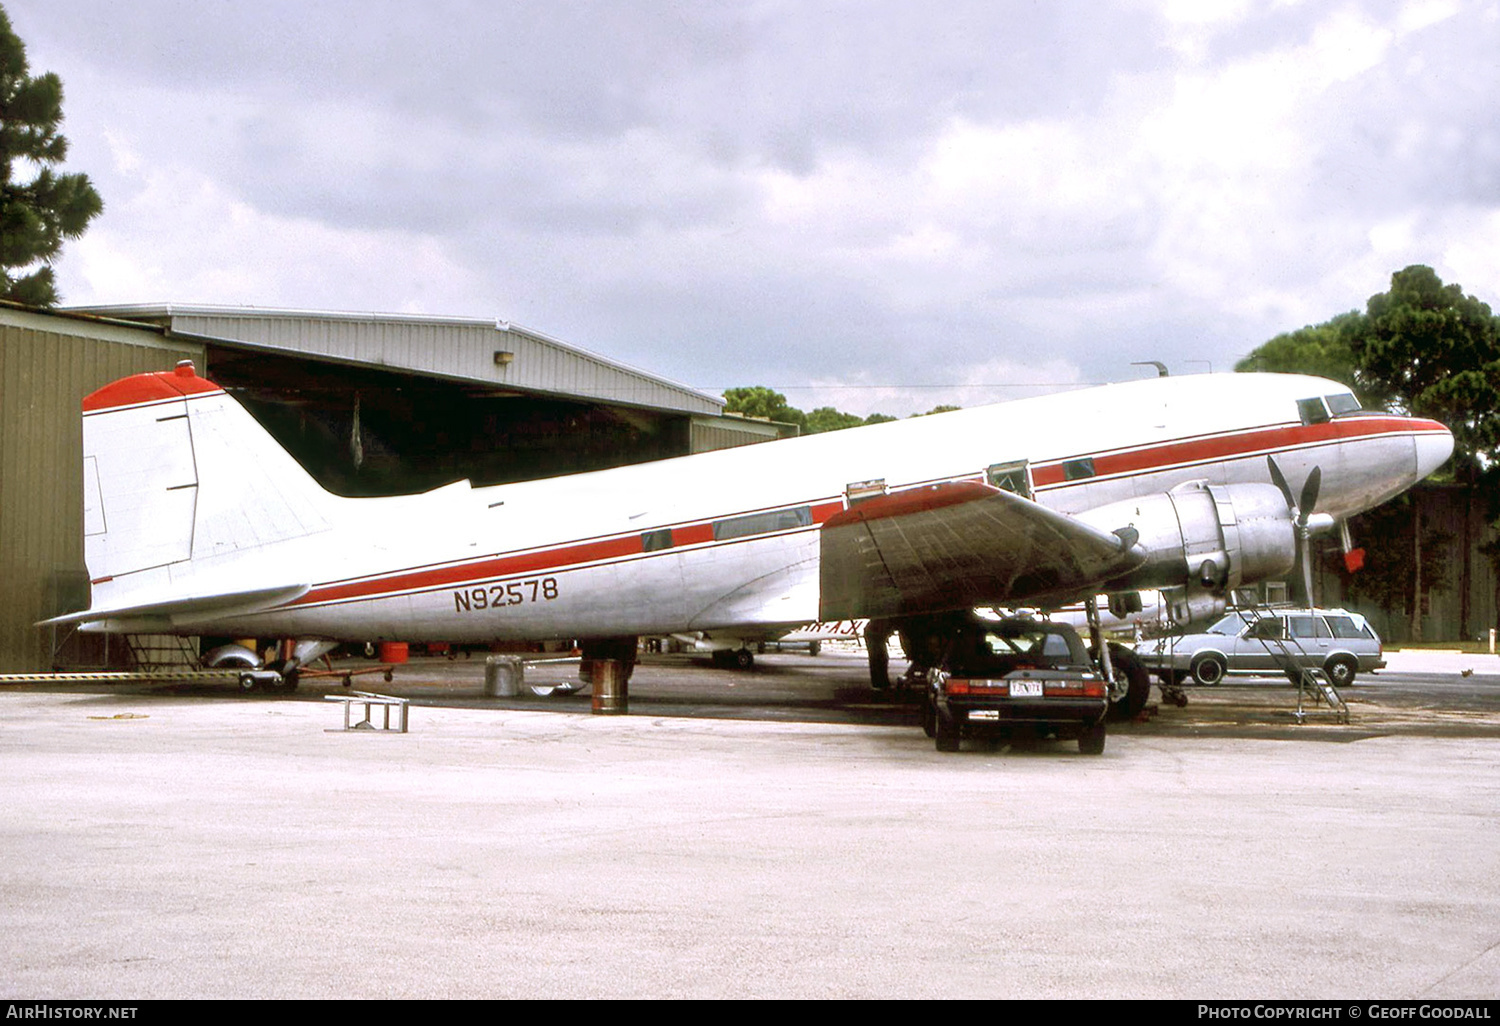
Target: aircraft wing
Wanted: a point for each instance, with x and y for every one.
(957, 545)
(168, 612)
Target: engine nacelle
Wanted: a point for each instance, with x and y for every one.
(1187, 606)
(1204, 538)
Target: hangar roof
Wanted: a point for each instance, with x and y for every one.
(495, 353)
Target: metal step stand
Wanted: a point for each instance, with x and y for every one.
(150, 652)
(1311, 681)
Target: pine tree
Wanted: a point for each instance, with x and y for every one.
(38, 208)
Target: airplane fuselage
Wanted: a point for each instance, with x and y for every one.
(730, 539)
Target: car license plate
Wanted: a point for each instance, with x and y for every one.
(1025, 689)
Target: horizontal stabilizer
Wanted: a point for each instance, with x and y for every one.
(957, 545)
(168, 612)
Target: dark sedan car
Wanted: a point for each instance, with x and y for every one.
(1014, 675)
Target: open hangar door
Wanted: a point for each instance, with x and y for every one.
(365, 431)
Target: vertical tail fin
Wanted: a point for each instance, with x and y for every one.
(176, 475)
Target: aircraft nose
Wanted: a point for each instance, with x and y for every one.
(1434, 444)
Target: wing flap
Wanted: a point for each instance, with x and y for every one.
(957, 545)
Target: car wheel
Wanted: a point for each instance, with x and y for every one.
(1341, 671)
(1208, 669)
(929, 717)
(1128, 663)
(1091, 741)
(944, 732)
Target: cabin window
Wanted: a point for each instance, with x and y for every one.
(1312, 411)
(1010, 477)
(1343, 403)
(655, 541)
(859, 491)
(1078, 470)
(762, 523)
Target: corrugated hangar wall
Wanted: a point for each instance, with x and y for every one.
(48, 363)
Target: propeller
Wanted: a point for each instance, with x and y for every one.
(1302, 514)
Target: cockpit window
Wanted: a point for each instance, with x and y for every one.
(1312, 411)
(1342, 403)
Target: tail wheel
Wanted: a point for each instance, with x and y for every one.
(1208, 669)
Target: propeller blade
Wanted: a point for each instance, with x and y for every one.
(1301, 512)
(1310, 493)
(1279, 479)
(1305, 554)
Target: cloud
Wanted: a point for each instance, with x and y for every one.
(889, 196)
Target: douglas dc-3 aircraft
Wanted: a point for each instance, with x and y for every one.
(198, 523)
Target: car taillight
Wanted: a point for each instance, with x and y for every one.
(961, 686)
(1089, 688)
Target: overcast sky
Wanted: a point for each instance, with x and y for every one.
(932, 201)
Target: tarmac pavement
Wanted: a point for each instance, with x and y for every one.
(162, 843)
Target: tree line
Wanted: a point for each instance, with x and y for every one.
(1427, 349)
(761, 401)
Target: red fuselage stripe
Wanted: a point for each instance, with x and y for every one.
(1225, 447)
(1143, 460)
(541, 561)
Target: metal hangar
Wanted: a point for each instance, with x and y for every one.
(370, 404)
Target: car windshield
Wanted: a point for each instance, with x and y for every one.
(1230, 625)
(1029, 642)
(1001, 648)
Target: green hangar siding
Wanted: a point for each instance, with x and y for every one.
(48, 363)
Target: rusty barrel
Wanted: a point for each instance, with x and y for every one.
(611, 696)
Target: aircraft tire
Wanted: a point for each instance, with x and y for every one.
(1128, 663)
(744, 659)
(1208, 670)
